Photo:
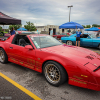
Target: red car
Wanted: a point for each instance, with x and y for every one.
(59, 36)
(58, 62)
(19, 32)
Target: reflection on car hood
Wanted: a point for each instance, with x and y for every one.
(73, 52)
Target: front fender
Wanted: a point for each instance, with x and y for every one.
(57, 59)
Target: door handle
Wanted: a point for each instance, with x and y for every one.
(11, 47)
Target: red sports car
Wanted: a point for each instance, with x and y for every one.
(58, 62)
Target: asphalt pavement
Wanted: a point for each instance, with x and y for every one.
(11, 92)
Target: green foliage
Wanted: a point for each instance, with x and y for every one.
(0, 28)
(83, 26)
(30, 26)
(3, 30)
(87, 26)
(15, 26)
(95, 25)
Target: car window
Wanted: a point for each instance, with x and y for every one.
(92, 35)
(21, 40)
(45, 41)
(84, 36)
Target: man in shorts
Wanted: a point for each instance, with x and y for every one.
(78, 34)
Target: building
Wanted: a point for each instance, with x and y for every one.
(54, 27)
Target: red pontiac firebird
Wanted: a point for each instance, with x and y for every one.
(58, 62)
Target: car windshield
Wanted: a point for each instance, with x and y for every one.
(45, 41)
(92, 35)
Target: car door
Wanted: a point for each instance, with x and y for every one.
(86, 41)
(29, 57)
(15, 53)
(20, 54)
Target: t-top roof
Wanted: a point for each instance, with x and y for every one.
(7, 20)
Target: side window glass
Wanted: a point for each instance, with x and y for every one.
(21, 40)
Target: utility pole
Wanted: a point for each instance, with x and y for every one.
(70, 11)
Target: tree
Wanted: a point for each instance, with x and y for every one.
(87, 26)
(30, 26)
(15, 26)
(95, 25)
(83, 26)
(0, 28)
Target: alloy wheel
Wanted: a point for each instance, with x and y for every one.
(52, 73)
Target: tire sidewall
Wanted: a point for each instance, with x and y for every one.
(60, 68)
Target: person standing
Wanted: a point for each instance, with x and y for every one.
(37, 31)
(98, 33)
(78, 34)
(12, 32)
(51, 32)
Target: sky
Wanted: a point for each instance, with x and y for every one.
(52, 12)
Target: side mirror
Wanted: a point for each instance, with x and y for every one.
(29, 47)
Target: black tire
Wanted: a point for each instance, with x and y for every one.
(3, 56)
(99, 46)
(54, 73)
(69, 42)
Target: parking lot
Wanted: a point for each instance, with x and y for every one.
(35, 83)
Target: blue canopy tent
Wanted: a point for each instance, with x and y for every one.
(92, 29)
(22, 29)
(71, 25)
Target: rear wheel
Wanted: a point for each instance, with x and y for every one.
(3, 56)
(54, 73)
(99, 46)
(69, 43)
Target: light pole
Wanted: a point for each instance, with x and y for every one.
(70, 11)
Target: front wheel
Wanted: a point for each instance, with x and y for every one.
(3, 56)
(54, 73)
(69, 43)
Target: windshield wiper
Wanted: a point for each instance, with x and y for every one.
(96, 69)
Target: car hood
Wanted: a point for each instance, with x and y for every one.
(74, 53)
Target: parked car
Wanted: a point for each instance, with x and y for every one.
(58, 36)
(58, 62)
(86, 39)
(19, 32)
(31, 32)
